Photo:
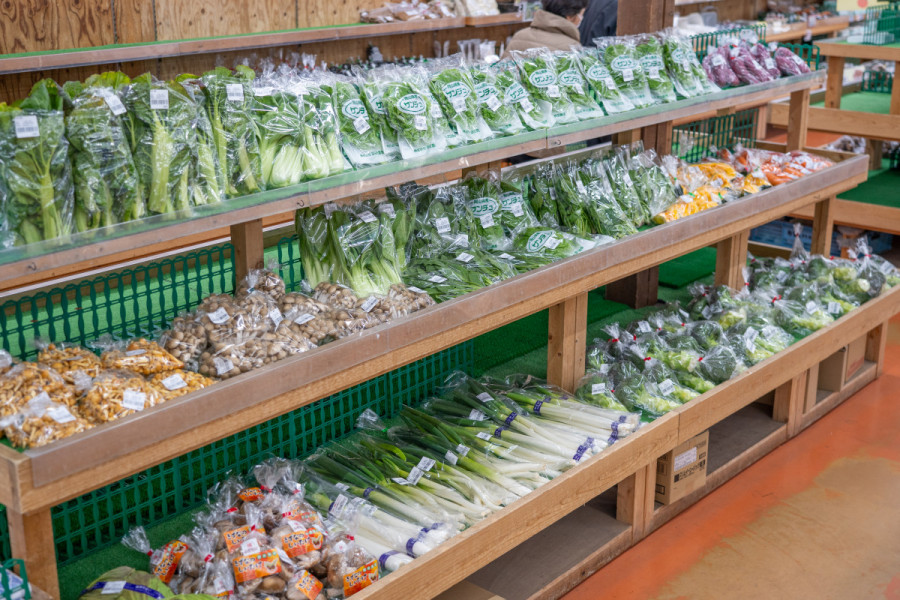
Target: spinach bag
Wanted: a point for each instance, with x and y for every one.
(482, 198)
(605, 213)
(360, 134)
(568, 73)
(622, 60)
(535, 114)
(538, 69)
(601, 81)
(650, 56)
(502, 117)
(410, 111)
(452, 86)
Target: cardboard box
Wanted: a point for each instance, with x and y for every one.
(682, 470)
(838, 368)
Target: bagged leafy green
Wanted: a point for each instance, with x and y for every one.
(502, 117)
(624, 189)
(570, 198)
(515, 212)
(409, 111)
(453, 274)
(542, 196)
(801, 320)
(372, 98)
(605, 213)
(34, 167)
(534, 114)
(596, 389)
(442, 222)
(229, 98)
(649, 53)
(682, 65)
(107, 189)
(208, 180)
(313, 237)
(360, 135)
(544, 246)
(604, 87)
(399, 215)
(324, 126)
(622, 60)
(284, 155)
(538, 69)
(363, 252)
(451, 84)
(159, 124)
(568, 73)
(482, 197)
(655, 189)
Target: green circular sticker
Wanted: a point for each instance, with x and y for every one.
(537, 240)
(542, 78)
(412, 104)
(484, 206)
(354, 109)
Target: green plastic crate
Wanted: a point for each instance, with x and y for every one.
(692, 141)
(877, 81)
(15, 565)
(882, 24)
(702, 41)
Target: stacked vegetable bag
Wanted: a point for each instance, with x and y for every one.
(673, 355)
(747, 61)
(334, 522)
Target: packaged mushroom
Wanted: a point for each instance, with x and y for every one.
(350, 568)
(139, 356)
(302, 302)
(42, 421)
(185, 339)
(176, 383)
(348, 321)
(299, 327)
(305, 586)
(261, 280)
(6, 361)
(261, 310)
(76, 364)
(27, 380)
(164, 562)
(410, 299)
(224, 320)
(192, 574)
(335, 295)
(256, 561)
(115, 394)
(223, 360)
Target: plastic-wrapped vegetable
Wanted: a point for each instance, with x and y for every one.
(135, 585)
(649, 53)
(538, 69)
(515, 212)
(605, 213)
(761, 53)
(621, 58)
(500, 116)
(549, 245)
(482, 196)
(542, 196)
(625, 191)
(745, 66)
(596, 388)
(789, 63)
(681, 62)
(360, 137)
(34, 168)
(453, 88)
(371, 96)
(655, 189)
(569, 198)
(229, 101)
(717, 68)
(409, 111)
(325, 126)
(568, 74)
(533, 113)
(605, 89)
(208, 180)
(801, 319)
(284, 155)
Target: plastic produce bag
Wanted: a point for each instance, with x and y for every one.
(597, 389)
(538, 69)
(515, 212)
(208, 177)
(26, 381)
(762, 55)
(801, 319)
(500, 116)
(35, 175)
(542, 196)
(285, 141)
(568, 73)
(322, 124)
(649, 53)
(789, 63)
(745, 66)
(482, 196)
(570, 192)
(534, 113)
(718, 69)
(41, 421)
(116, 394)
(621, 58)
(75, 364)
(604, 212)
(624, 189)
(371, 95)
(140, 356)
(409, 111)
(360, 132)
(602, 83)
(452, 86)
(681, 62)
(135, 585)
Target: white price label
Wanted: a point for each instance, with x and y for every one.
(886, 268)
(26, 126)
(134, 400)
(387, 208)
(451, 458)
(598, 388)
(420, 123)
(113, 587)
(223, 365)
(250, 547)
(604, 368)
(276, 316)
(484, 397)
(750, 335)
(462, 450)
(810, 307)
(115, 105)
(174, 382)
(415, 474)
(706, 313)
(361, 125)
(426, 463)
(415, 290)
(338, 505)
(459, 104)
(234, 92)
(653, 73)
(462, 239)
(219, 316)
(769, 331)
(770, 64)
(399, 480)
(304, 318)
(627, 75)
(442, 224)
(342, 486)
(580, 187)
(718, 60)
(644, 327)
(552, 242)
(493, 103)
(437, 279)
(666, 387)
(61, 415)
(516, 209)
(835, 308)
(464, 257)
(526, 104)
(159, 99)
(553, 91)
(481, 435)
(367, 217)
(685, 458)
(506, 256)
(369, 304)
(138, 352)
(487, 221)
(477, 415)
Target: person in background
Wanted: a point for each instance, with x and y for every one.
(599, 21)
(555, 27)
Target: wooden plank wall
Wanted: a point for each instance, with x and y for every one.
(727, 10)
(40, 25)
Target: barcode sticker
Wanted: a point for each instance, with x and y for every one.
(437, 279)
(61, 415)
(304, 318)
(223, 365)
(234, 92)
(477, 415)
(462, 450)
(115, 105)
(174, 382)
(459, 104)
(338, 505)
(487, 221)
(835, 308)
(718, 60)
(770, 64)
(361, 125)
(442, 224)
(276, 316)
(552, 242)
(483, 435)
(464, 257)
(138, 352)
(750, 335)
(369, 304)
(666, 387)
(484, 397)
(133, 400)
(415, 474)
(451, 458)
(644, 327)
(367, 217)
(219, 316)
(415, 290)
(26, 126)
(627, 75)
(598, 388)
(113, 587)
(493, 102)
(426, 463)
(399, 480)
(420, 123)
(810, 307)
(387, 208)
(685, 458)
(517, 209)
(553, 91)
(526, 104)
(706, 313)
(159, 99)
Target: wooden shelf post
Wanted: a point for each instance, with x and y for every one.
(247, 239)
(876, 341)
(834, 86)
(635, 500)
(823, 226)
(31, 539)
(798, 120)
(790, 399)
(637, 291)
(567, 342)
(731, 258)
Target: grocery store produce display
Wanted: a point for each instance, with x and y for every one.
(83, 156)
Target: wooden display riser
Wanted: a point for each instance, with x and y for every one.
(873, 217)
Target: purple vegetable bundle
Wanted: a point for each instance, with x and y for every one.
(764, 58)
(717, 69)
(746, 68)
(789, 63)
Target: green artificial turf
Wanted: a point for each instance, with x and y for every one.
(686, 269)
(882, 188)
(872, 102)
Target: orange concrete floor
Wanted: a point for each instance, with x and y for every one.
(817, 518)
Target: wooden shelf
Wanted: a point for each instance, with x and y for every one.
(101, 55)
(862, 215)
(495, 20)
(86, 247)
(797, 31)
